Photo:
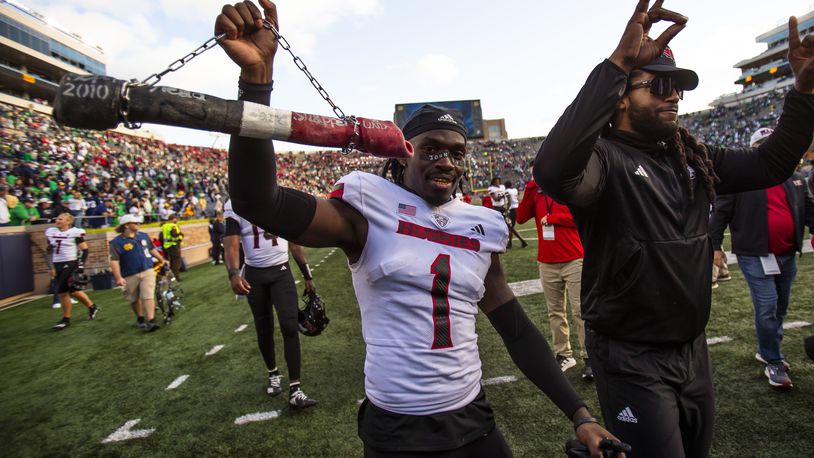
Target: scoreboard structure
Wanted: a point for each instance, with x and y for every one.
(470, 111)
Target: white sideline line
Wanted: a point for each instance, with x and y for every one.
(498, 380)
(177, 382)
(124, 433)
(717, 340)
(526, 287)
(241, 328)
(796, 324)
(259, 416)
(215, 349)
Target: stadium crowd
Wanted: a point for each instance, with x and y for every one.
(98, 177)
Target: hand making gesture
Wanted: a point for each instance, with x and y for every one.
(801, 58)
(636, 48)
(247, 42)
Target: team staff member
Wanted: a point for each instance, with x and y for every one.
(421, 263)
(131, 260)
(172, 237)
(640, 195)
(69, 251)
(559, 256)
(268, 284)
(767, 227)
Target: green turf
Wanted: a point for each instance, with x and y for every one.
(63, 393)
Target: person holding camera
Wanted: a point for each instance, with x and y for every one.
(68, 252)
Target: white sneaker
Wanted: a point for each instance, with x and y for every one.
(566, 362)
(74, 301)
(56, 305)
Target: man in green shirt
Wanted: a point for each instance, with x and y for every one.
(24, 215)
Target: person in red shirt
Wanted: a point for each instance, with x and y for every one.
(559, 255)
(487, 201)
(767, 232)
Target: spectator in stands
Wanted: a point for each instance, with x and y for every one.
(131, 260)
(171, 239)
(24, 214)
(767, 227)
(77, 207)
(5, 216)
(559, 257)
(46, 211)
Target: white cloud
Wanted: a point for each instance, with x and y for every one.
(436, 70)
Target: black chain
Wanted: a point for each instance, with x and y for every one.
(153, 79)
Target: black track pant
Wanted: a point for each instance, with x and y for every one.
(275, 286)
(657, 398)
(217, 251)
(491, 445)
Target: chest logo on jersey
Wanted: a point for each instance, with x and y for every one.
(440, 220)
(127, 246)
(440, 237)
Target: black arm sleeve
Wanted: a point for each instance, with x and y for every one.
(566, 167)
(232, 227)
(724, 206)
(253, 182)
(531, 353)
(744, 169)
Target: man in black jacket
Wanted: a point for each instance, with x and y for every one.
(767, 228)
(640, 195)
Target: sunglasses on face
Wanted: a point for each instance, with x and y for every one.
(660, 86)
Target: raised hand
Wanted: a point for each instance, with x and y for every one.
(801, 58)
(247, 42)
(636, 49)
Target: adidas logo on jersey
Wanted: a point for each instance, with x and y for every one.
(478, 229)
(640, 171)
(626, 415)
(447, 118)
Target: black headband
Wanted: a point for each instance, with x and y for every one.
(433, 117)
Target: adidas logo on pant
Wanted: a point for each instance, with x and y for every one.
(626, 415)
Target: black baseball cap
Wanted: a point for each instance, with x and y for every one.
(665, 64)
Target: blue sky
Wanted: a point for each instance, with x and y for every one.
(525, 60)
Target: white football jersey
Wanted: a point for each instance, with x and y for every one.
(64, 243)
(260, 248)
(513, 202)
(418, 282)
(500, 192)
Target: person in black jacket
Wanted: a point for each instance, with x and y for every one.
(640, 195)
(767, 232)
(217, 230)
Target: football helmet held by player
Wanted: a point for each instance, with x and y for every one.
(312, 319)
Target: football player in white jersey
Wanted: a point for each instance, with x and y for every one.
(68, 252)
(267, 283)
(422, 264)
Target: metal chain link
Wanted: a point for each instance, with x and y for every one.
(153, 79)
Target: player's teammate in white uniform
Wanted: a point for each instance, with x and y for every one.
(422, 265)
(267, 283)
(68, 250)
(511, 216)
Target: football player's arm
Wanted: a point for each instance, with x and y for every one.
(302, 262)
(231, 248)
(49, 253)
(530, 352)
(83, 256)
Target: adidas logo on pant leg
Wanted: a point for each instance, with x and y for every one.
(626, 415)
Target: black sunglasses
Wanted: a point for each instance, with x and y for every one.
(660, 86)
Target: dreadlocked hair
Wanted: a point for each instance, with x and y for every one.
(396, 170)
(695, 154)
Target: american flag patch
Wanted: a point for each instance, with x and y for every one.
(407, 209)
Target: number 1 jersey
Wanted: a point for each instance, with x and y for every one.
(418, 282)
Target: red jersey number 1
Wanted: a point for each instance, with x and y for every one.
(442, 336)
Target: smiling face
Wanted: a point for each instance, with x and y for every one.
(646, 114)
(437, 166)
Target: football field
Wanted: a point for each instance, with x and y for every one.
(197, 386)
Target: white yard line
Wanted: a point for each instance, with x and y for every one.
(526, 287)
(259, 416)
(796, 324)
(241, 328)
(125, 433)
(498, 380)
(215, 349)
(177, 382)
(718, 340)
